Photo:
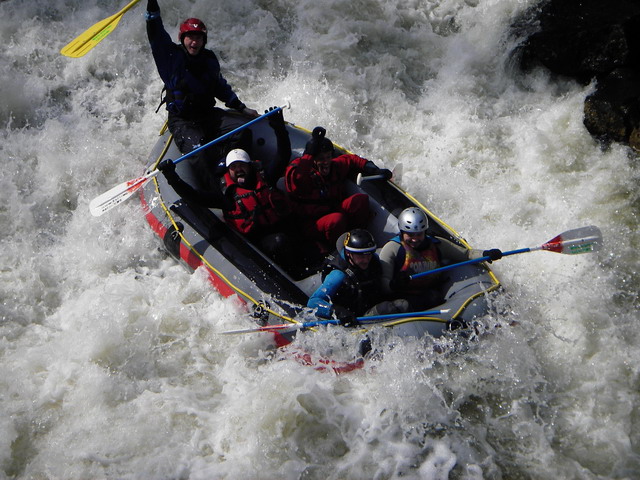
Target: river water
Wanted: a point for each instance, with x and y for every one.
(110, 361)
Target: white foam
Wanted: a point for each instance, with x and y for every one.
(111, 365)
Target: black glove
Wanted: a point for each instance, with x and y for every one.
(152, 6)
(400, 281)
(371, 168)
(346, 317)
(276, 120)
(167, 166)
(236, 104)
(386, 172)
(493, 254)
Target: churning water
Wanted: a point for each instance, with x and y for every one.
(110, 361)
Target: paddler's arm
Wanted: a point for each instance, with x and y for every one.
(276, 168)
(210, 198)
(371, 169)
(155, 29)
(388, 256)
(162, 47)
(153, 8)
(320, 300)
(452, 253)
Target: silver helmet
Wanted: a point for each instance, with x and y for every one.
(413, 220)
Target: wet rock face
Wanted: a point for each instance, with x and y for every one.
(612, 112)
(587, 40)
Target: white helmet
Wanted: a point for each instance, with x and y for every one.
(237, 155)
(413, 220)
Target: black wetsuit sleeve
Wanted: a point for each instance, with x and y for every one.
(276, 168)
(207, 198)
(159, 40)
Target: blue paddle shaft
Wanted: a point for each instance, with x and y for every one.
(468, 262)
(227, 135)
(397, 316)
(318, 323)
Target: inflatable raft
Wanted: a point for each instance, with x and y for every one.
(199, 237)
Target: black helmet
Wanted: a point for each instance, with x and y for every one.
(359, 241)
(318, 143)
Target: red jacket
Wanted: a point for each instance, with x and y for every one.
(314, 195)
(256, 210)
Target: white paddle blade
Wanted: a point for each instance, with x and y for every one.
(397, 173)
(580, 240)
(118, 194)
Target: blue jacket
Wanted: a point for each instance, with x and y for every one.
(192, 82)
(354, 289)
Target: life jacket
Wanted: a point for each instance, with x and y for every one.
(361, 288)
(191, 90)
(313, 194)
(192, 83)
(418, 260)
(253, 210)
(311, 188)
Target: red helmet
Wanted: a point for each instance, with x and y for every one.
(192, 25)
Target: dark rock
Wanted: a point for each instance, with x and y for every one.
(590, 40)
(612, 112)
(582, 55)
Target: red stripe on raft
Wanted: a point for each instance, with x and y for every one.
(280, 340)
(186, 253)
(189, 256)
(194, 261)
(156, 225)
(219, 284)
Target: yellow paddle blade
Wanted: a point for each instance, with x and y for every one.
(94, 35)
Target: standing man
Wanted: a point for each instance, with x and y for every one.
(192, 80)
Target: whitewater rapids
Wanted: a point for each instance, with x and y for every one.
(110, 361)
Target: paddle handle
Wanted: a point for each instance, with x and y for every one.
(360, 178)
